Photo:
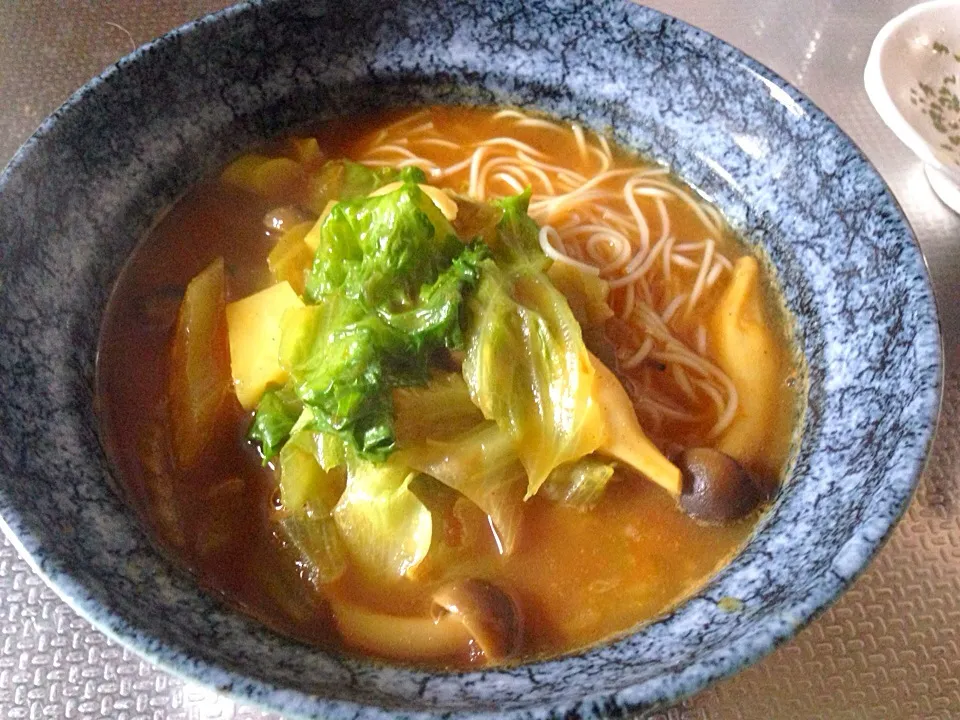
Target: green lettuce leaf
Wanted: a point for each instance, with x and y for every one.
(318, 545)
(516, 242)
(342, 362)
(341, 180)
(435, 319)
(389, 279)
(275, 417)
(381, 250)
(308, 492)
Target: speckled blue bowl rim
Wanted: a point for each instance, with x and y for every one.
(766, 633)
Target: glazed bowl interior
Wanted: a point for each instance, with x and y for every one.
(101, 171)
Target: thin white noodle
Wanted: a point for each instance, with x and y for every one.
(639, 356)
(680, 377)
(420, 163)
(619, 244)
(620, 221)
(421, 128)
(672, 308)
(543, 178)
(509, 114)
(654, 193)
(485, 169)
(714, 395)
(724, 421)
(683, 262)
(543, 124)
(646, 262)
(701, 337)
(701, 276)
(664, 218)
(520, 174)
(581, 142)
(456, 167)
(691, 202)
(628, 302)
(646, 403)
(601, 178)
(642, 226)
(568, 180)
(667, 253)
(602, 157)
(714, 274)
(689, 246)
(510, 142)
(438, 142)
(544, 237)
(509, 180)
(645, 290)
(475, 170)
(506, 164)
(403, 121)
(594, 228)
(573, 220)
(391, 148)
(551, 168)
(605, 145)
(559, 203)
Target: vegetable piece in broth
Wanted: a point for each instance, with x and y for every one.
(199, 364)
(386, 528)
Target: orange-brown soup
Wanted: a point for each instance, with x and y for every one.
(577, 576)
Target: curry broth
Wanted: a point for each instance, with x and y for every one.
(579, 577)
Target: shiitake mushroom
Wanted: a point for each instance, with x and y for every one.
(715, 487)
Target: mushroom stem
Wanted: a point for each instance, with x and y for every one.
(489, 613)
(401, 638)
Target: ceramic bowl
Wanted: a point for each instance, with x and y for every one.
(912, 77)
(100, 171)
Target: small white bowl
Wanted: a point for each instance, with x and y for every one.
(912, 78)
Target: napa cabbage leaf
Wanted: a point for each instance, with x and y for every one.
(309, 491)
(579, 483)
(527, 369)
(482, 464)
(439, 410)
(385, 527)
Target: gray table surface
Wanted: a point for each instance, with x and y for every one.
(889, 648)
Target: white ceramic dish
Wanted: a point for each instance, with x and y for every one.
(912, 78)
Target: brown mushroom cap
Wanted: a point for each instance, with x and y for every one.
(489, 614)
(716, 488)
